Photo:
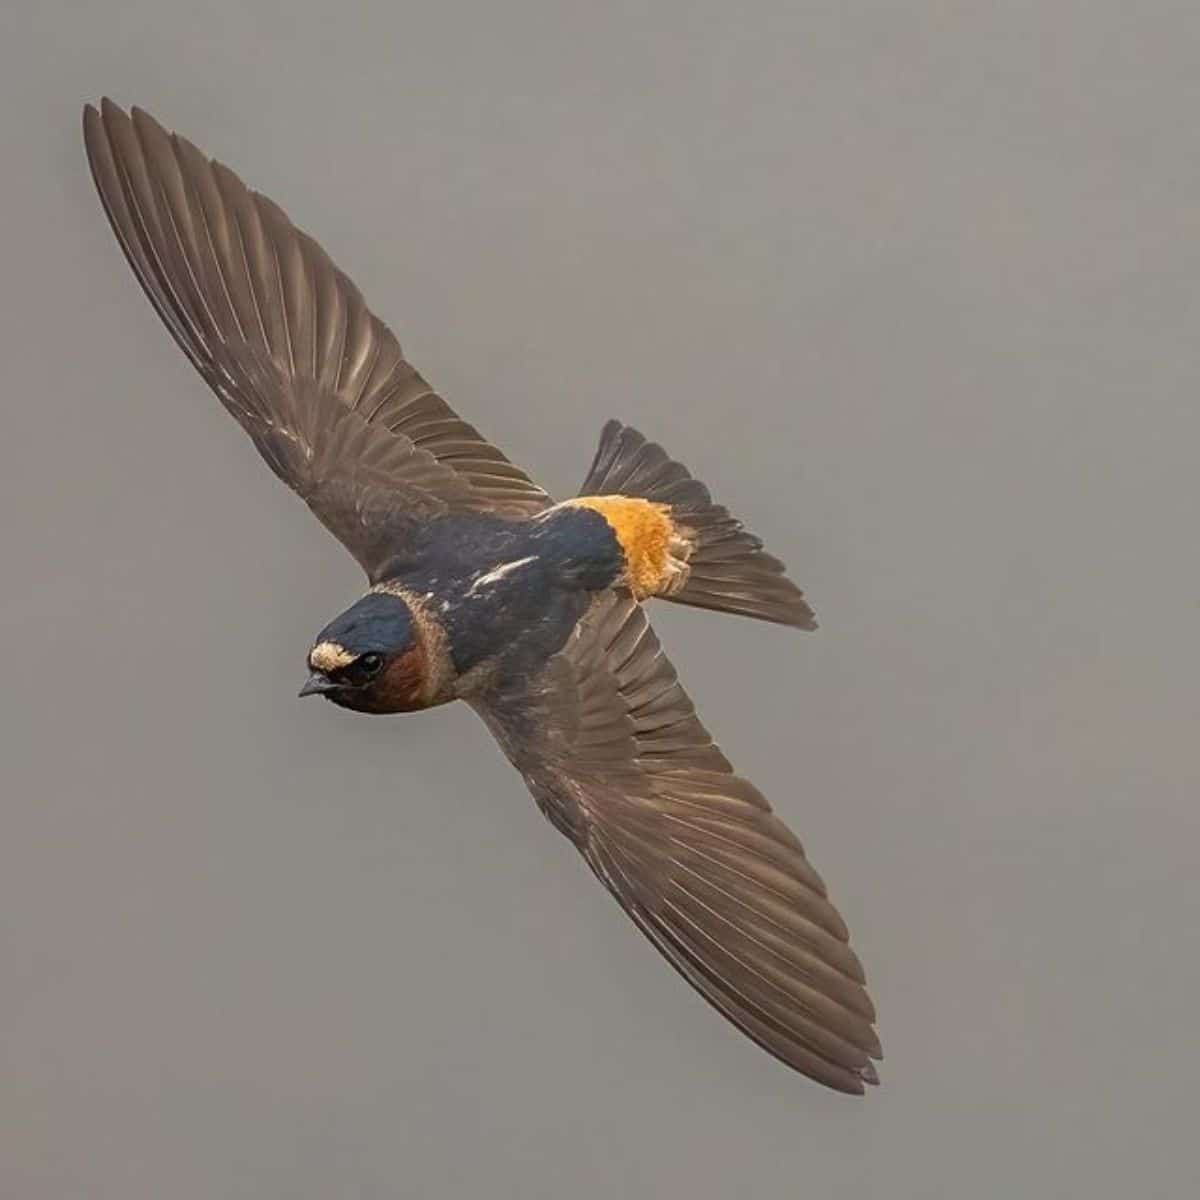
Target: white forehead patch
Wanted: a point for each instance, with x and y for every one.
(329, 656)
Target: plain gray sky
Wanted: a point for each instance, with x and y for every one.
(914, 288)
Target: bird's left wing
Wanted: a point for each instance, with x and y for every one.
(290, 347)
(613, 752)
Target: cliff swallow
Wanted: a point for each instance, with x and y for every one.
(483, 589)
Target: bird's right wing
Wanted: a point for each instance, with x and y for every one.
(613, 752)
(289, 346)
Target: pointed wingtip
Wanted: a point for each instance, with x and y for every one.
(93, 133)
(91, 115)
(99, 118)
(144, 124)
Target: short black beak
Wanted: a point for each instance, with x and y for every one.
(317, 683)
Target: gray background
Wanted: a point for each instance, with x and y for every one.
(914, 287)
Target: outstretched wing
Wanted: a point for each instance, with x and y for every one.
(290, 347)
(613, 752)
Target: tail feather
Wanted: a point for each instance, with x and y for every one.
(728, 569)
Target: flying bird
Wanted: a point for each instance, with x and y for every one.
(482, 588)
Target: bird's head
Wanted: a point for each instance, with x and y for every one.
(373, 658)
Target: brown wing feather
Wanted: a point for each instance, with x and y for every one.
(613, 751)
(249, 297)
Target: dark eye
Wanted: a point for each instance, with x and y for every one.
(370, 664)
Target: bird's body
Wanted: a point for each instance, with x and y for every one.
(482, 588)
(484, 595)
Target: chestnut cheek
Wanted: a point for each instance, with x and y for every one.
(400, 686)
